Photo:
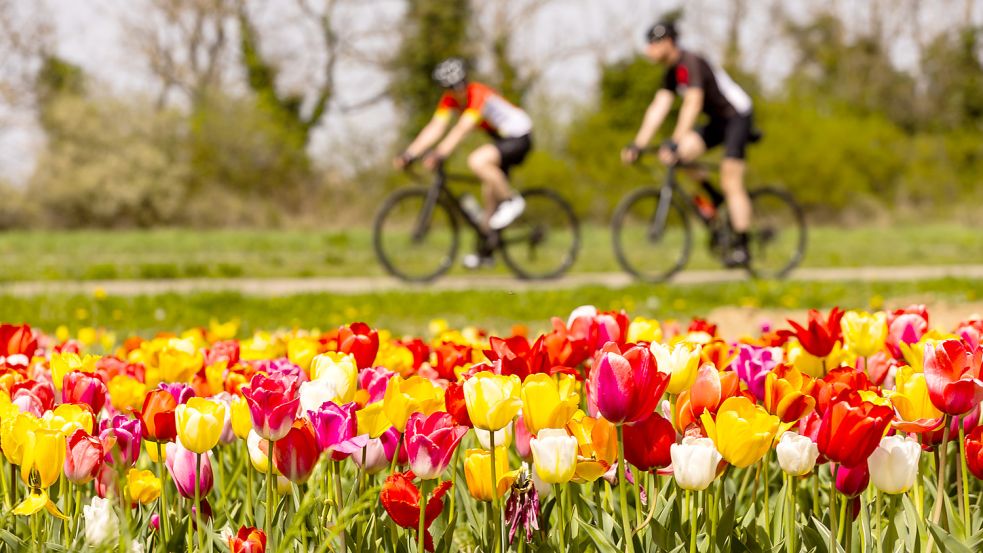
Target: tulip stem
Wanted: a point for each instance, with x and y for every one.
(848, 524)
(499, 525)
(790, 512)
(767, 484)
(940, 485)
(560, 518)
(451, 512)
(399, 446)
(832, 511)
(638, 495)
(250, 513)
(965, 481)
(66, 495)
(423, 516)
(629, 546)
(692, 520)
(201, 531)
(162, 504)
(877, 520)
(338, 501)
(3, 482)
(269, 494)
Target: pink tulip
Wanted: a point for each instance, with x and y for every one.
(182, 392)
(377, 453)
(83, 457)
(522, 438)
(273, 404)
(335, 428)
(430, 442)
(374, 380)
(120, 438)
(88, 389)
(905, 326)
(625, 388)
(180, 463)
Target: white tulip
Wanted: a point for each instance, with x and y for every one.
(894, 464)
(554, 454)
(503, 437)
(694, 463)
(796, 454)
(314, 393)
(101, 524)
(588, 311)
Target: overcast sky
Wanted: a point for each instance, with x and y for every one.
(88, 33)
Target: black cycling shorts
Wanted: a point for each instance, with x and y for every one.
(513, 151)
(733, 132)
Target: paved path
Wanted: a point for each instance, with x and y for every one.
(355, 285)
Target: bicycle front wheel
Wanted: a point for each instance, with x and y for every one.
(412, 242)
(777, 240)
(543, 242)
(651, 234)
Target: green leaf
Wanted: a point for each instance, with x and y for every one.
(946, 541)
(601, 541)
(725, 526)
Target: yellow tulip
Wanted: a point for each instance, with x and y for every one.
(215, 375)
(407, 396)
(151, 448)
(301, 351)
(548, 402)
(372, 420)
(395, 357)
(222, 331)
(143, 486)
(597, 444)
(477, 472)
(864, 333)
(644, 330)
(13, 435)
(492, 399)
(242, 420)
(743, 432)
(910, 396)
(64, 363)
(811, 365)
(200, 423)
(340, 371)
(914, 354)
(68, 417)
(126, 393)
(44, 458)
(179, 360)
(681, 361)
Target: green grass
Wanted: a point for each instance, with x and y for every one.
(179, 253)
(410, 312)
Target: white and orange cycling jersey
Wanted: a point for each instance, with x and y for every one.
(495, 114)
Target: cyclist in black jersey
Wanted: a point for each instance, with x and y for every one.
(707, 89)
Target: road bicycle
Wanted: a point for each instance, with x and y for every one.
(416, 233)
(653, 235)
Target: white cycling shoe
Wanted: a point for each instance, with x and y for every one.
(474, 261)
(507, 212)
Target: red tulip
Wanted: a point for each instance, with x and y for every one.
(852, 428)
(450, 356)
(248, 540)
(360, 340)
(83, 457)
(273, 405)
(30, 395)
(17, 345)
(431, 441)
(296, 453)
(454, 400)
(852, 481)
(80, 387)
(157, 416)
(820, 334)
(227, 350)
(974, 452)
(625, 388)
(837, 381)
(647, 442)
(952, 374)
(401, 499)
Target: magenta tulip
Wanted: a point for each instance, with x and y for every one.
(273, 404)
(625, 388)
(182, 392)
(753, 364)
(430, 442)
(852, 481)
(374, 380)
(336, 429)
(120, 438)
(180, 462)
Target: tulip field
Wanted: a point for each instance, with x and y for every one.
(832, 431)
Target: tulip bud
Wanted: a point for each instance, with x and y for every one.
(796, 454)
(894, 464)
(694, 463)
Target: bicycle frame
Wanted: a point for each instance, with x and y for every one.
(437, 190)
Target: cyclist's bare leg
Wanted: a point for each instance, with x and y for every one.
(738, 202)
(691, 147)
(486, 162)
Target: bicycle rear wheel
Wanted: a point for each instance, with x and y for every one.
(777, 240)
(649, 244)
(543, 242)
(411, 245)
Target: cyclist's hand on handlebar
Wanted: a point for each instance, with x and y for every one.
(432, 161)
(668, 153)
(630, 154)
(403, 161)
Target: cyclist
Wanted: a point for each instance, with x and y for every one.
(509, 127)
(708, 89)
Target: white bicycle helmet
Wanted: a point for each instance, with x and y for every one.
(450, 73)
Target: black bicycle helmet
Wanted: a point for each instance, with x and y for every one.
(450, 73)
(661, 30)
